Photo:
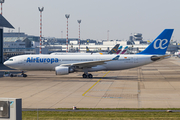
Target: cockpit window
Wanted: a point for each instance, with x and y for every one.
(10, 59)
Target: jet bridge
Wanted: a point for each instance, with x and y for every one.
(3, 23)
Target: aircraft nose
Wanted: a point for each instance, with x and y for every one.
(6, 63)
(9, 64)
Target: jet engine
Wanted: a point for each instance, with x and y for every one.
(60, 70)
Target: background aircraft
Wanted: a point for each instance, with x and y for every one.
(124, 51)
(112, 51)
(119, 50)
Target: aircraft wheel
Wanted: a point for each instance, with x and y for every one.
(11, 75)
(90, 76)
(84, 76)
(24, 75)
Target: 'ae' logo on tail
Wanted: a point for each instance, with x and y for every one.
(161, 45)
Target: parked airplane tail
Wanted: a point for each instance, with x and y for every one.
(160, 44)
(114, 49)
(119, 50)
(87, 49)
(125, 49)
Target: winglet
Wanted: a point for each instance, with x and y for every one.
(116, 58)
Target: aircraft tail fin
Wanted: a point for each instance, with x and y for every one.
(114, 49)
(160, 44)
(125, 49)
(119, 50)
(87, 49)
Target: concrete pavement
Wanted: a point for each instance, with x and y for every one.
(155, 85)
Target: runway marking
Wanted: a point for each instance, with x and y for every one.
(94, 84)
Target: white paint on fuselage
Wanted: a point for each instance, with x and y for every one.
(124, 61)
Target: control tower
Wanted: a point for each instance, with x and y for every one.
(138, 37)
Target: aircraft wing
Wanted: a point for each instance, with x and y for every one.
(89, 64)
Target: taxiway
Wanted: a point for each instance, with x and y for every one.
(155, 85)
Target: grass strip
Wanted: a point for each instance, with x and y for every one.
(120, 108)
(54, 115)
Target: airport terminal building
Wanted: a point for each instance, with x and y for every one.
(19, 43)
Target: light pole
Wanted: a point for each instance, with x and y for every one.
(108, 35)
(79, 21)
(67, 16)
(61, 34)
(1, 1)
(40, 43)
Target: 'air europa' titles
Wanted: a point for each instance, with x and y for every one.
(42, 60)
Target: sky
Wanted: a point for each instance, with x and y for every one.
(121, 17)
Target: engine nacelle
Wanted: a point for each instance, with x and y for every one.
(60, 70)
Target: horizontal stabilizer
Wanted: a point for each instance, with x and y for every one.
(155, 58)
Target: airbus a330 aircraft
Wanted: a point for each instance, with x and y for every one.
(65, 64)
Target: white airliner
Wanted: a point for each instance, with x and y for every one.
(65, 64)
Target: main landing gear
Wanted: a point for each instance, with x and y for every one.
(87, 75)
(24, 75)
